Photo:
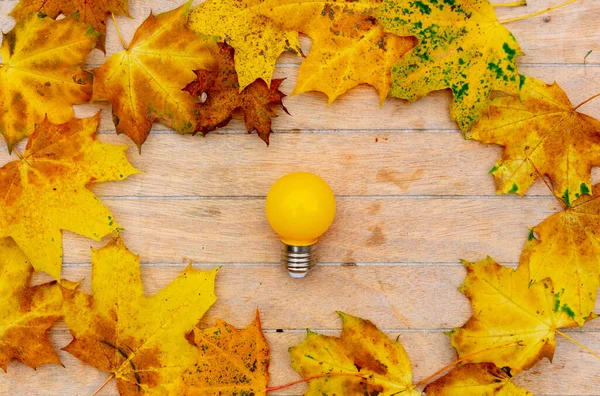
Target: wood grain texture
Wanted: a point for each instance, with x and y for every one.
(413, 198)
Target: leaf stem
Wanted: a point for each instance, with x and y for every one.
(462, 359)
(104, 384)
(585, 101)
(580, 345)
(118, 31)
(520, 18)
(275, 388)
(513, 4)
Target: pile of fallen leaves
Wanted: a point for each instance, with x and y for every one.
(191, 70)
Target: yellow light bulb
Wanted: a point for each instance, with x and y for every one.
(300, 208)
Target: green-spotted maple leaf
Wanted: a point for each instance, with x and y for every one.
(89, 12)
(223, 97)
(568, 252)
(542, 134)
(461, 47)
(514, 323)
(139, 339)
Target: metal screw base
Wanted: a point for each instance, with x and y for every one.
(298, 260)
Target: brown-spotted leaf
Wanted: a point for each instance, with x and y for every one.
(89, 12)
(568, 251)
(348, 46)
(26, 313)
(541, 134)
(257, 40)
(223, 97)
(46, 191)
(230, 362)
(364, 361)
(139, 339)
(481, 379)
(41, 73)
(144, 82)
(513, 323)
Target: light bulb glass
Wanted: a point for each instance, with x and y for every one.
(300, 208)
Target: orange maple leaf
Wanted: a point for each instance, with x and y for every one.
(90, 12)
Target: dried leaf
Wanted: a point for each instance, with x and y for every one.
(257, 41)
(481, 379)
(139, 339)
(26, 313)
(230, 362)
(144, 83)
(42, 74)
(224, 97)
(568, 252)
(542, 133)
(461, 46)
(348, 46)
(513, 323)
(89, 12)
(368, 361)
(45, 192)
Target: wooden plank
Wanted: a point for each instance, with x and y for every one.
(395, 295)
(365, 230)
(574, 372)
(359, 110)
(563, 36)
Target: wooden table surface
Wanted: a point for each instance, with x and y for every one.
(413, 196)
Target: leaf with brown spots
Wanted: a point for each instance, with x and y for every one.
(348, 46)
(568, 251)
(514, 323)
(26, 313)
(144, 82)
(91, 12)
(481, 379)
(363, 361)
(230, 362)
(462, 46)
(223, 97)
(140, 339)
(41, 74)
(46, 191)
(542, 134)
(257, 40)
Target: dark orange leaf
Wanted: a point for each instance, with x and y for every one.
(224, 97)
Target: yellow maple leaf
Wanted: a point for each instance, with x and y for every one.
(230, 362)
(568, 252)
(461, 46)
(257, 41)
(541, 134)
(90, 12)
(144, 82)
(513, 323)
(42, 74)
(45, 191)
(481, 379)
(25, 312)
(348, 46)
(363, 361)
(139, 339)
